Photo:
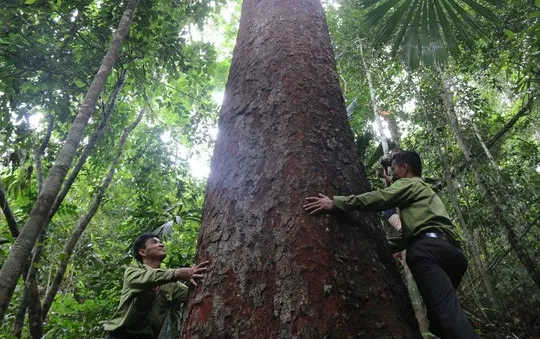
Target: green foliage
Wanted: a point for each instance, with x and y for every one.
(50, 50)
(424, 30)
(490, 84)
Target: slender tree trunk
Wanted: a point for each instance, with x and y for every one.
(507, 127)
(30, 291)
(8, 213)
(38, 153)
(374, 104)
(276, 271)
(32, 298)
(393, 128)
(467, 233)
(414, 294)
(416, 298)
(13, 265)
(486, 149)
(522, 253)
(85, 220)
(35, 324)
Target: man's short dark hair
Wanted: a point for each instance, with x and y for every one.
(140, 243)
(412, 159)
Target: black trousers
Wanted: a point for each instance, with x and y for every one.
(437, 267)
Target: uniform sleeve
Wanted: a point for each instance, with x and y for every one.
(180, 293)
(399, 194)
(141, 278)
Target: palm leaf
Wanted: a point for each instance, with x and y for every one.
(439, 52)
(451, 40)
(482, 10)
(386, 31)
(473, 23)
(411, 48)
(404, 27)
(377, 14)
(350, 109)
(415, 26)
(459, 25)
(426, 51)
(496, 3)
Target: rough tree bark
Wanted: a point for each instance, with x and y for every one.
(275, 271)
(393, 128)
(522, 253)
(85, 220)
(20, 251)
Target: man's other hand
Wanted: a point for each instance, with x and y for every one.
(319, 204)
(191, 273)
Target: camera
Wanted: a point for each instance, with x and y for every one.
(386, 162)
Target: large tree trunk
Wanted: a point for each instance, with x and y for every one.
(85, 220)
(277, 272)
(12, 267)
(522, 253)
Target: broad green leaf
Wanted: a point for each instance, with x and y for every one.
(79, 83)
(509, 33)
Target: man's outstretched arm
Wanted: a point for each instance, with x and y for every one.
(143, 278)
(399, 194)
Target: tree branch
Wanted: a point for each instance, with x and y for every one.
(499, 259)
(30, 289)
(13, 265)
(521, 113)
(10, 218)
(39, 152)
(85, 220)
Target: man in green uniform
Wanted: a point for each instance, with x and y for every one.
(435, 260)
(150, 291)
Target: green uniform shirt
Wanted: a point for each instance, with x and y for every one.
(419, 208)
(147, 295)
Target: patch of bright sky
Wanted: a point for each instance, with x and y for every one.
(213, 30)
(330, 3)
(198, 157)
(35, 121)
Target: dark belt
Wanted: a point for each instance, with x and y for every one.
(436, 235)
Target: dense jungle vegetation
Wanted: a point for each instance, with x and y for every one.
(126, 150)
